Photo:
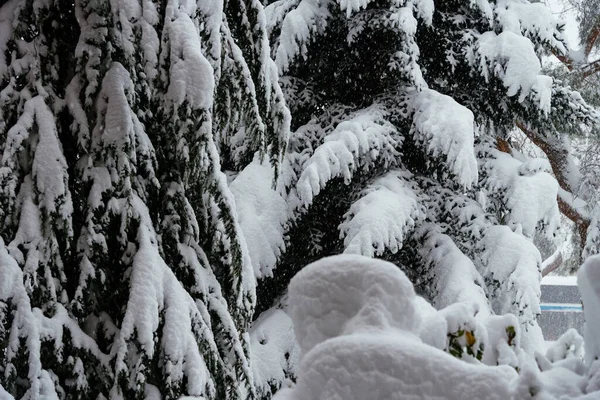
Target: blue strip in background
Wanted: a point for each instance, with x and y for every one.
(558, 307)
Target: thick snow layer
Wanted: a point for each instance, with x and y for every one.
(49, 167)
(380, 219)
(310, 18)
(533, 20)
(4, 395)
(393, 366)
(28, 327)
(357, 319)
(512, 272)
(276, 12)
(274, 351)
(512, 58)
(212, 14)
(31, 327)
(156, 301)
(445, 128)
(570, 344)
(588, 280)
(49, 164)
(423, 9)
(349, 293)
(455, 277)
(365, 138)
(530, 192)
(502, 348)
(43, 202)
(263, 213)
(433, 329)
(191, 77)
(298, 27)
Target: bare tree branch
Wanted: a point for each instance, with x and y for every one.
(591, 39)
(552, 263)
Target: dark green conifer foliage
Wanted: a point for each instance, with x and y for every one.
(124, 273)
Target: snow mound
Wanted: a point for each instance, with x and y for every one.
(347, 294)
(357, 319)
(393, 367)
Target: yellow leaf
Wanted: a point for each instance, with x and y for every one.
(470, 338)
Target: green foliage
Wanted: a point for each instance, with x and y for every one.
(464, 341)
(141, 254)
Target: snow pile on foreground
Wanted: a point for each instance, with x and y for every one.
(363, 333)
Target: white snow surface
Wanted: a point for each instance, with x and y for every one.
(32, 327)
(512, 268)
(382, 217)
(570, 344)
(49, 165)
(349, 293)
(356, 320)
(154, 288)
(28, 328)
(456, 278)
(263, 213)
(500, 350)
(446, 128)
(559, 280)
(530, 192)
(531, 19)
(393, 367)
(366, 137)
(297, 29)
(274, 351)
(588, 280)
(4, 395)
(512, 58)
(191, 77)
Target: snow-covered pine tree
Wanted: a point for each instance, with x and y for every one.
(124, 271)
(45, 349)
(401, 110)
